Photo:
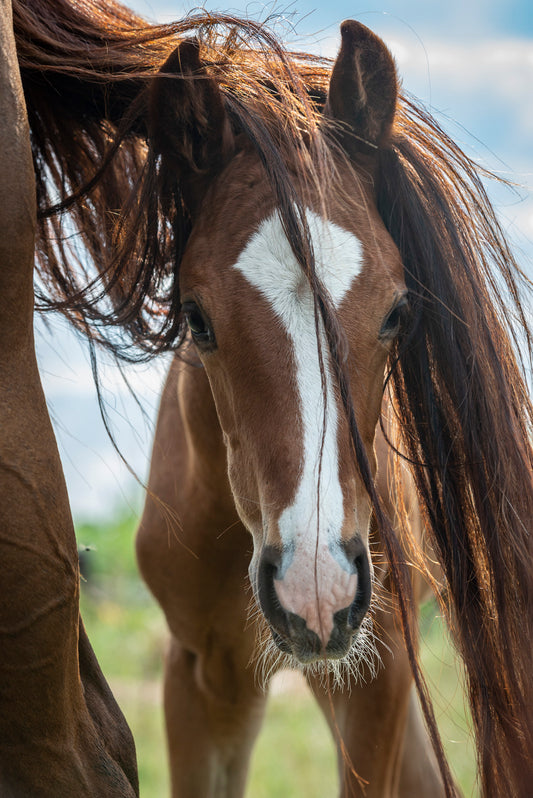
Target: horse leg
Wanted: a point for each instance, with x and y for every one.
(193, 552)
(212, 722)
(368, 721)
(419, 776)
(385, 745)
(380, 720)
(58, 737)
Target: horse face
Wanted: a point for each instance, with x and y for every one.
(251, 314)
(252, 318)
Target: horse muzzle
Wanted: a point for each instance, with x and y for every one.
(314, 602)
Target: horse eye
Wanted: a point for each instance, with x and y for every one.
(199, 325)
(394, 320)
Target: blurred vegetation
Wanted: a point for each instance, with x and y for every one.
(294, 756)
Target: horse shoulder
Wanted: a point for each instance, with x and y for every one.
(190, 538)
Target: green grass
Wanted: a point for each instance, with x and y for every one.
(294, 756)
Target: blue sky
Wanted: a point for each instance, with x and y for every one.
(470, 61)
(472, 19)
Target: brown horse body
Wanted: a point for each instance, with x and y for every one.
(61, 732)
(302, 232)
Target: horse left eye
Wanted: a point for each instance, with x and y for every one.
(394, 320)
(199, 325)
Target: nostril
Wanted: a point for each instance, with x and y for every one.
(269, 568)
(270, 558)
(357, 554)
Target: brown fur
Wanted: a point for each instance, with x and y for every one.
(61, 732)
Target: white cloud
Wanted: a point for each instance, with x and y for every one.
(501, 66)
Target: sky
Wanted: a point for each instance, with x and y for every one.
(470, 62)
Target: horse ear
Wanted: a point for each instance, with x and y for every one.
(188, 125)
(363, 90)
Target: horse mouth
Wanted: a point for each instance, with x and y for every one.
(304, 645)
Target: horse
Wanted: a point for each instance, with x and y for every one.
(346, 316)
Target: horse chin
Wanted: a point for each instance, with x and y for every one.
(347, 661)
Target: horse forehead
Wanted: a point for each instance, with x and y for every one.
(269, 264)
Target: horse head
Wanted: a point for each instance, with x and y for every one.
(252, 302)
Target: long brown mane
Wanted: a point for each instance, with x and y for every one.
(87, 71)
(113, 227)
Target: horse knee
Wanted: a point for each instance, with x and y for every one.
(218, 680)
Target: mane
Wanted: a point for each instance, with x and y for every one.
(108, 225)
(112, 231)
(465, 414)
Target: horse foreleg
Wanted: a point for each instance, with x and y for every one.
(213, 705)
(368, 721)
(212, 720)
(419, 775)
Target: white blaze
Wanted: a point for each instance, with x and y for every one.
(318, 567)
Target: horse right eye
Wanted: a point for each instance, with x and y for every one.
(394, 319)
(199, 325)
